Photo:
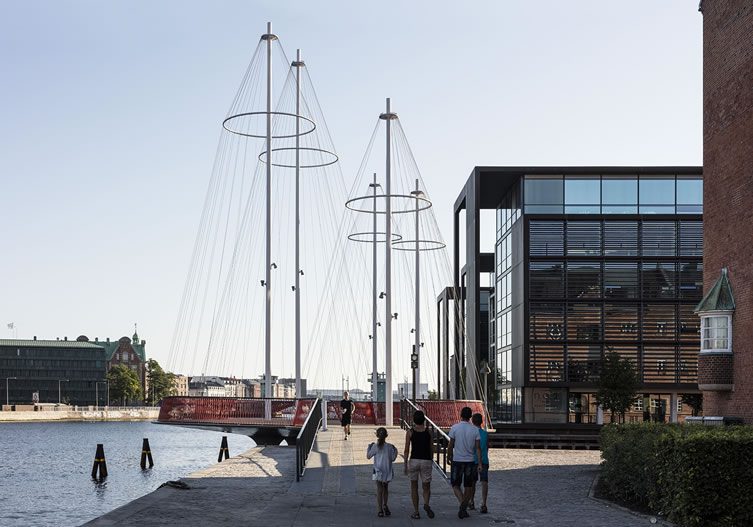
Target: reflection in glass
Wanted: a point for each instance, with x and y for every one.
(619, 209)
(619, 191)
(543, 191)
(689, 191)
(657, 191)
(582, 191)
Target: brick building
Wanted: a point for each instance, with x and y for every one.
(725, 367)
(130, 352)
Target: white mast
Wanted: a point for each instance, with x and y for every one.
(374, 375)
(388, 116)
(297, 64)
(268, 309)
(417, 371)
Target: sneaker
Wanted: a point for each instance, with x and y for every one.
(346, 438)
(484, 510)
(471, 506)
(462, 513)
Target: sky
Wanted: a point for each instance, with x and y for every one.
(110, 114)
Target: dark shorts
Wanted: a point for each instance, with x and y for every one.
(484, 474)
(345, 420)
(463, 473)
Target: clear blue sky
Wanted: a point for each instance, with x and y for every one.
(110, 114)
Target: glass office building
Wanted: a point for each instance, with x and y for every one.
(587, 260)
(51, 371)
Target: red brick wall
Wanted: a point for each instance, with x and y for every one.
(728, 182)
(716, 368)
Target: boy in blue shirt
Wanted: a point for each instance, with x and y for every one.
(483, 474)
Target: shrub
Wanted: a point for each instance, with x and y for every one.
(695, 475)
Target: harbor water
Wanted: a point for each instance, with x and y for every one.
(45, 468)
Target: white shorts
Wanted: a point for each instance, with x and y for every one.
(422, 467)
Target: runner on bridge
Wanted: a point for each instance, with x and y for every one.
(347, 407)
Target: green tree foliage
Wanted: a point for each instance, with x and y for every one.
(160, 383)
(124, 383)
(433, 395)
(618, 385)
(694, 400)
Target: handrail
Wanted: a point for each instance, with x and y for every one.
(439, 438)
(305, 440)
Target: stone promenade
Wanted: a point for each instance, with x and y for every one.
(258, 488)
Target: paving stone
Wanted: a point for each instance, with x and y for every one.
(527, 488)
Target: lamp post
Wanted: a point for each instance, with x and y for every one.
(7, 400)
(59, 381)
(486, 370)
(96, 392)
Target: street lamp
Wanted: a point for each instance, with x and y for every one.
(486, 370)
(7, 403)
(96, 392)
(59, 381)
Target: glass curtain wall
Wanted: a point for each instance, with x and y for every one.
(507, 398)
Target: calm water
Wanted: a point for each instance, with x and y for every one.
(45, 468)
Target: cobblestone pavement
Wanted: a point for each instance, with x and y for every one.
(527, 488)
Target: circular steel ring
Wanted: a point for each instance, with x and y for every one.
(228, 121)
(430, 245)
(334, 159)
(423, 203)
(356, 237)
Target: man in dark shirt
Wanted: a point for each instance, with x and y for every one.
(347, 407)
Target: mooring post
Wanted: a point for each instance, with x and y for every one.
(146, 453)
(100, 465)
(223, 449)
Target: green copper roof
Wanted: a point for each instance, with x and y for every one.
(719, 298)
(20, 343)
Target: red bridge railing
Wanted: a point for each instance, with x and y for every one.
(235, 411)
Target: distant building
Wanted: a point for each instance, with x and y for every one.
(131, 352)
(253, 388)
(206, 386)
(180, 385)
(49, 371)
(405, 389)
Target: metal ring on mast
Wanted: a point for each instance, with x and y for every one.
(226, 124)
(428, 245)
(354, 203)
(331, 161)
(374, 237)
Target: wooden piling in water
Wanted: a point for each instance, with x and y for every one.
(223, 449)
(146, 453)
(100, 464)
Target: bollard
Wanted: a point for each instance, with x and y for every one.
(146, 453)
(223, 448)
(100, 465)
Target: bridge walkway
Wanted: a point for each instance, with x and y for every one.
(258, 488)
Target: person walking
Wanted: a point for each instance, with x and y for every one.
(483, 474)
(418, 453)
(347, 407)
(465, 439)
(384, 455)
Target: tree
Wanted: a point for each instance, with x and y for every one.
(160, 383)
(694, 400)
(618, 384)
(124, 383)
(433, 395)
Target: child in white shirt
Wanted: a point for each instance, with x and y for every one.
(384, 455)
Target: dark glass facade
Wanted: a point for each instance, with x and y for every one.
(587, 260)
(68, 369)
(611, 263)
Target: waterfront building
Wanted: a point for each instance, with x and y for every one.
(180, 385)
(587, 260)
(52, 371)
(206, 386)
(726, 355)
(130, 352)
